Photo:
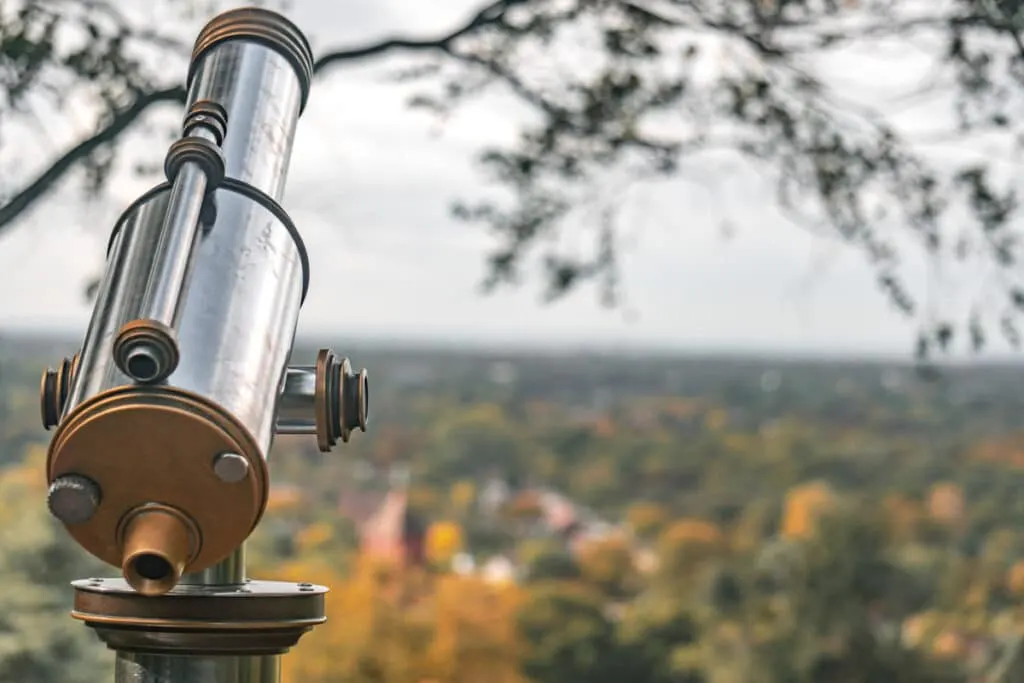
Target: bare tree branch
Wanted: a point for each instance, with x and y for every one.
(118, 124)
(492, 14)
(641, 107)
(123, 119)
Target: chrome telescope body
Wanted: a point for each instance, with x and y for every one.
(164, 420)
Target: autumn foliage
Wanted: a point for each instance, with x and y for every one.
(804, 505)
(656, 539)
(389, 624)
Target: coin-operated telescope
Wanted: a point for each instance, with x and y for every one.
(164, 419)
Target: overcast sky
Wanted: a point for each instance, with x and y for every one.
(370, 186)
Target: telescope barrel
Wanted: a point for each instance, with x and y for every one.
(328, 400)
(165, 419)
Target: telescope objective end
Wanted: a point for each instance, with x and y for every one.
(157, 546)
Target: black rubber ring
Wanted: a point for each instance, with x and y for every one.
(237, 187)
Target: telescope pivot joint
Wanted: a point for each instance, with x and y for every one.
(342, 400)
(54, 389)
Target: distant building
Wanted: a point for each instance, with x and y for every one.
(387, 527)
(394, 532)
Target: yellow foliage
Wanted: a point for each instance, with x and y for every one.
(716, 419)
(463, 494)
(647, 519)
(804, 506)
(686, 544)
(443, 540)
(284, 499)
(607, 563)
(407, 629)
(738, 443)
(1015, 578)
(23, 486)
(475, 635)
(27, 478)
(30, 475)
(692, 532)
(362, 625)
(314, 536)
(35, 459)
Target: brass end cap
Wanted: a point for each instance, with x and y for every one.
(146, 351)
(341, 399)
(158, 543)
(258, 25)
(54, 389)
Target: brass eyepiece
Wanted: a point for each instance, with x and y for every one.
(146, 351)
(158, 543)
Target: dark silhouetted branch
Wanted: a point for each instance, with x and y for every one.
(120, 121)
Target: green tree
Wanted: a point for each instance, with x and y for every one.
(833, 609)
(569, 637)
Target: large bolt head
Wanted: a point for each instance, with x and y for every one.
(73, 498)
(230, 468)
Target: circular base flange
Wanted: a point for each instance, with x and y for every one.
(255, 618)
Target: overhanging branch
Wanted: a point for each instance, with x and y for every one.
(120, 121)
(118, 124)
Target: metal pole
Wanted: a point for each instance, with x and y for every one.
(164, 420)
(134, 667)
(144, 668)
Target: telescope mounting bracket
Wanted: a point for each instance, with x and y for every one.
(254, 618)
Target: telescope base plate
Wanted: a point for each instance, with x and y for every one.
(144, 445)
(254, 618)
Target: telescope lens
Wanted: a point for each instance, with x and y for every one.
(152, 567)
(142, 365)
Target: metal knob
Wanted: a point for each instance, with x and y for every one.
(342, 399)
(73, 498)
(53, 391)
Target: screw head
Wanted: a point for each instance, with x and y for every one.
(230, 468)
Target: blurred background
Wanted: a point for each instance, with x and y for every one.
(692, 327)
